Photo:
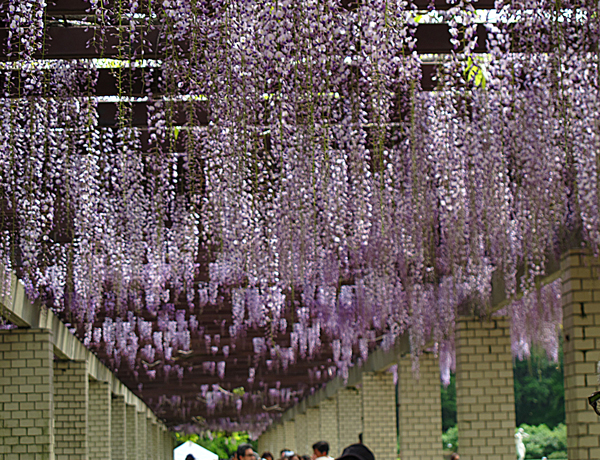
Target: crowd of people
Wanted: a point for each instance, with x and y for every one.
(320, 452)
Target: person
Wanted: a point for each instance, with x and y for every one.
(244, 452)
(267, 456)
(357, 452)
(454, 456)
(321, 450)
(285, 453)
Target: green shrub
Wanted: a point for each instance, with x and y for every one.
(450, 439)
(544, 442)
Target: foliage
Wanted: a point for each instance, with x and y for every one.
(449, 404)
(539, 390)
(545, 442)
(450, 439)
(221, 443)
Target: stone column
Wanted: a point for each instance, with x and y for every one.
(350, 417)
(119, 438)
(301, 435)
(420, 409)
(99, 421)
(71, 410)
(289, 434)
(142, 435)
(485, 398)
(328, 423)
(380, 432)
(132, 434)
(26, 394)
(313, 425)
(581, 347)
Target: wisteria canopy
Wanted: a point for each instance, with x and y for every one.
(269, 191)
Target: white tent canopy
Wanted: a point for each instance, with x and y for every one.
(199, 452)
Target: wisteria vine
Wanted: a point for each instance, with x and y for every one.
(326, 197)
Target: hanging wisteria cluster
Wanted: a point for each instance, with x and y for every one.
(326, 198)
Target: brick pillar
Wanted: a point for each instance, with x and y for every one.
(26, 394)
(279, 440)
(379, 415)
(171, 445)
(420, 409)
(350, 423)
(151, 447)
(70, 410)
(263, 443)
(313, 424)
(164, 442)
(328, 425)
(99, 421)
(271, 439)
(132, 434)
(581, 347)
(289, 435)
(118, 435)
(142, 435)
(301, 434)
(485, 399)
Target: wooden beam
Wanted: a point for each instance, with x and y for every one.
(78, 43)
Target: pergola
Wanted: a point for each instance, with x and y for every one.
(125, 77)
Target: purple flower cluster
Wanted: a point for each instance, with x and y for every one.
(328, 198)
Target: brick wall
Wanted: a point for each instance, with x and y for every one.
(313, 428)
(119, 437)
(581, 347)
(328, 418)
(301, 434)
(70, 410)
(420, 409)
(350, 423)
(485, 398)
(26, 395)
(99, 421)
(379, 415)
